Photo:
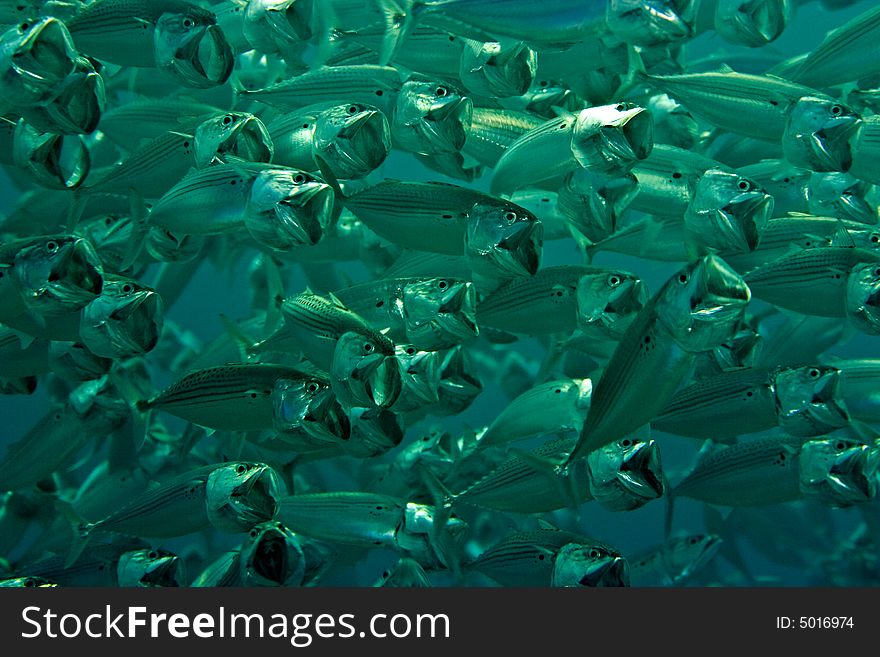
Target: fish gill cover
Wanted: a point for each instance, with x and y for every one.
(439, 292)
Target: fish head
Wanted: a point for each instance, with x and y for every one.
(503, 239)
(405, 574)
(230, 137)
(863, 295)
(685, 555)
(752, 23)
(288, 208)
(272, 555)
(242, 494)
(124, 321)
(365, 371)
(611, 139)
(309, 404)
(352, 139)
(838, 472)
(418, 537)
(591, 565)
(27, 583)
(439, 312)
(496, 70)
(818, 134)
(702, 304)
(544, 94)
(459, 380)
(166, 246)
(420, 377)
(77, 105)
(728, 212)
(192, 48)
(673, 123)
(809, 400)
(35, 58)
(610, 300)
(431, 117)
(150, 568)
(99, 404)
(742, 350)
(626, 474)
(111, 235)
(840, 195)
(595, 203)
(276, 25)
(374, 431)
(58, 273)
(55, 161)
(651, 22)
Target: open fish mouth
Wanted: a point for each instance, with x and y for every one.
(741, 221)
(248, 140)
(298, 218)
(54, 160)
(851, 478)
(640, 472)
(752, 23)
(200, 58)
(380, 378)
(78, 106)
(612, 571)
(270, 557)
(256, 498)
(831, 146)
(626, 299)
(131, 328)
(651, 22)
(43, 57)
(289, 18)
(444, 127)
(74, 279)
(514, 250)
(327, 417)
(162, 571)
(725, 294)
(630, 137)
(361, 144)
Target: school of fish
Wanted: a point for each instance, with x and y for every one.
(416, 292)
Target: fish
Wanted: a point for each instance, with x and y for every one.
(694, 311)
(675, 562)
(529, 558)
(604, 139)
(559, 299)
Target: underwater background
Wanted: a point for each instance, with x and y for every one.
(792, 544)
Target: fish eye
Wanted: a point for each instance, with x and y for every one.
(410, 350)
(744, 185)
(626, 442)
(152, 554)
(253, 533)
(840, 445)
(836, 110)
(813, 373)
(510, 216)
(693, 540)
(441, 91)
(543, 83)
(614, 280)
(620, 107)
(227, 119)
(241, 469)
(51, 246)
(352, 109)
(875, 238)
(24, 27)
(312, 387)
(682, 278)
(369, 347)
(128, 288)
(299, 179)
(595, 554)
(188, 22)
(877, 271)
(442, 285)
(29, 583)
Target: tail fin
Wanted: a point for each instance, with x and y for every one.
(398, 25)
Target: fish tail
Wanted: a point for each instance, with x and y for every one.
(398, 25)
(636, 73)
